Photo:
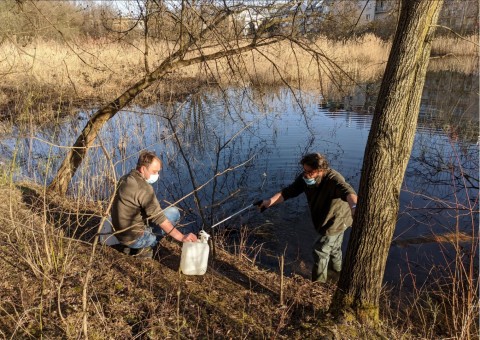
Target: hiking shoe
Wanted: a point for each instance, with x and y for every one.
(144, 253)
(121, 248)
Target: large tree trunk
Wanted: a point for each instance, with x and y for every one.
(386, 156)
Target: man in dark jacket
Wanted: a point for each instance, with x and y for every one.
(332, 203)
(137, 218)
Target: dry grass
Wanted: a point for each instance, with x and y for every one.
(44, 274)
(455, 54)
(45, 249)
(466, 46)
(46, 77)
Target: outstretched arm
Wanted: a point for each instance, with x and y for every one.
(275, 199)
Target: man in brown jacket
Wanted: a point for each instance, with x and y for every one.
(137, 218)
(332, 203)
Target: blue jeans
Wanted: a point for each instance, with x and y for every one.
(153, 233)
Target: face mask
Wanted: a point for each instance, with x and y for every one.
(309, 181)
(152, 179)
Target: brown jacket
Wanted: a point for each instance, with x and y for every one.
(327, 200)
(134, 206)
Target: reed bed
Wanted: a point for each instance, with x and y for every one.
(458, 54)
(47, 74)
(325, 64)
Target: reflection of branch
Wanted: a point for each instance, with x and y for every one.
(437, 166)
(215, 176)
(447, 204)
(190, 171)
(285, 82)
(217, 159)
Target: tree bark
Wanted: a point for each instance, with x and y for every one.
(387, 153)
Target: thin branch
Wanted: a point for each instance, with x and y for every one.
(456, 34)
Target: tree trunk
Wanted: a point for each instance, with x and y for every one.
(386, 156)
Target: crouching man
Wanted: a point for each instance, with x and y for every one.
(137, 218)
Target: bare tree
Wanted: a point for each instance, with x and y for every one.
(202, 36)
(176, 60)
(386, 156)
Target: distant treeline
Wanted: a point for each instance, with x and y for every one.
(26, 20)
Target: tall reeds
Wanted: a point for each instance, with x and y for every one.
(82, 73)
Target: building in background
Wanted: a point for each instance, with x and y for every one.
(348, 16)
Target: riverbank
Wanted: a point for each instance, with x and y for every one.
(44, 80)
(47, 258)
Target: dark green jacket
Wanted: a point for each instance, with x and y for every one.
(134, 206)
(327, 200)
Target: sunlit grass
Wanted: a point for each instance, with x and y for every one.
(44, 75)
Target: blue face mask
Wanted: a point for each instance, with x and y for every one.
(309, 181)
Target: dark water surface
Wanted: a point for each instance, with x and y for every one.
(260, 135)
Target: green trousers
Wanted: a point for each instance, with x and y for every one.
(326, 247)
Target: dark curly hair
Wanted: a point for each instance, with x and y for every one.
(315, 160)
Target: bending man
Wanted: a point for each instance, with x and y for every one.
(332, 203)
(137, 218)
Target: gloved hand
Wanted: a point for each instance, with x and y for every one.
(262, 205)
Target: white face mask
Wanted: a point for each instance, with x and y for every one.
(152, 179)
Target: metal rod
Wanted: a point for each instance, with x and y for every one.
(229, 217)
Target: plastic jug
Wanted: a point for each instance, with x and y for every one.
(194, 257)
(106, 234)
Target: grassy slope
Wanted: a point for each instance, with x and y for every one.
(44, 272)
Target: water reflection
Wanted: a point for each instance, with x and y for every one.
(445, 94)
(254, 139)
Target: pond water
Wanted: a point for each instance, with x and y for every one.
(254, 138)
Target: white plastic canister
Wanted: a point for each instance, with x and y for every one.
(194, 257)
(106, 234)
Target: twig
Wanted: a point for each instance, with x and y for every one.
(282, 264)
